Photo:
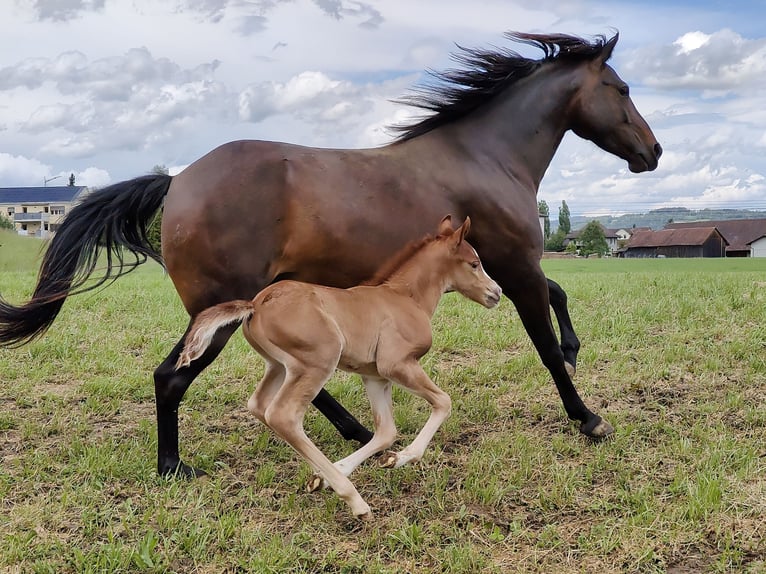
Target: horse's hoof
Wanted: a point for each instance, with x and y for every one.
(366, 517)
(182, 470)
(388, 459)
(315, 483)
(598, 430)
(571, 370)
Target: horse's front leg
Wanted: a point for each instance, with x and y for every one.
(570, 344)
(528, 289)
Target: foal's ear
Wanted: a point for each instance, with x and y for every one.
(445, 227)
(463, 230)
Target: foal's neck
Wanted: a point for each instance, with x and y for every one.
(422, 279)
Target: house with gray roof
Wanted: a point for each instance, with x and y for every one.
(38, 211)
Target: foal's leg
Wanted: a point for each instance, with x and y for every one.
(570, 344)
(528, 290)
(285, 417)
(412, 377)
(379, 393)
(169, 388)
(264, 392)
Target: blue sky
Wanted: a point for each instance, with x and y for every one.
(106, 89)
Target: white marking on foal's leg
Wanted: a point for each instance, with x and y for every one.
(417, 382)
(379, 394)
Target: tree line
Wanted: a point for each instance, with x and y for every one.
(591, 240)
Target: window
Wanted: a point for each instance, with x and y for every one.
(11, 211)
(57, 210)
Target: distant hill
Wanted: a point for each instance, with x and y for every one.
(658, 218)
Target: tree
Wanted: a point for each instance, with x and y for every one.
(543, 209)
(6, 223)
(592, 240)
(153, 232)
(556, 241)
(565, 223)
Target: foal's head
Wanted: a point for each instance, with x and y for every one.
(464, 271)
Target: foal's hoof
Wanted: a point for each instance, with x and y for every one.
(571, 370)
(366, 517)
(315, 483)
(598, 429)
(388, 459)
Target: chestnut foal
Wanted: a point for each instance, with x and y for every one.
(306, 331)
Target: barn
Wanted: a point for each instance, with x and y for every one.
(739, 233)
(686, 242)
(758, 247)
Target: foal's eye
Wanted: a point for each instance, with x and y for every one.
(475, 264)
(624, 91)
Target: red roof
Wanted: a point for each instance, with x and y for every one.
(738, 232)
(669, 237)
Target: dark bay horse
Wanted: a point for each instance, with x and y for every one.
(250, 213)
(381, 331)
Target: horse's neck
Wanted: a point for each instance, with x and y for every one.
(420, 279)
(521, 129)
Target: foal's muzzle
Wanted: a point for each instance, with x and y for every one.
(492, 296)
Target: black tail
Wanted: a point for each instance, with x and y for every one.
(112, 219)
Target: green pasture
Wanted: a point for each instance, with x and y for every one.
(673, 355)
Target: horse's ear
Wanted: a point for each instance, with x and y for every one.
(606, 51)
(445, 227)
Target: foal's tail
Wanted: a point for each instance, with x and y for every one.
(113, 219)
(207, 323)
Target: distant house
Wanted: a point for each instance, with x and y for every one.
(689, 242)
(739, 233)
(615, 238)
(38, 211)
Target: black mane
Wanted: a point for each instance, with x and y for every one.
(486, 73)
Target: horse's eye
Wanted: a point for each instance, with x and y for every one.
(624, 91)
(475, 264)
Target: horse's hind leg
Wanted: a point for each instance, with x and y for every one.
(169, 388)
(570, 344)
(341, 419)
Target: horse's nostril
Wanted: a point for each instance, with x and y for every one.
(657, 150)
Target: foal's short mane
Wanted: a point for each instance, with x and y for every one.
(486, 73)
(397, 261)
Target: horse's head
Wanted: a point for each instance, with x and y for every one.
(604, 114)
(465, 273)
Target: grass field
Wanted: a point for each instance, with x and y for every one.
(674, 355)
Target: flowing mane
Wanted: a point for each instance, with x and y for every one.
(397, 261)
(486, 73)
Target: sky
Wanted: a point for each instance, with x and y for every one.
(108, 89)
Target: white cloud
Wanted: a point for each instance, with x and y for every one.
(20, 170)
